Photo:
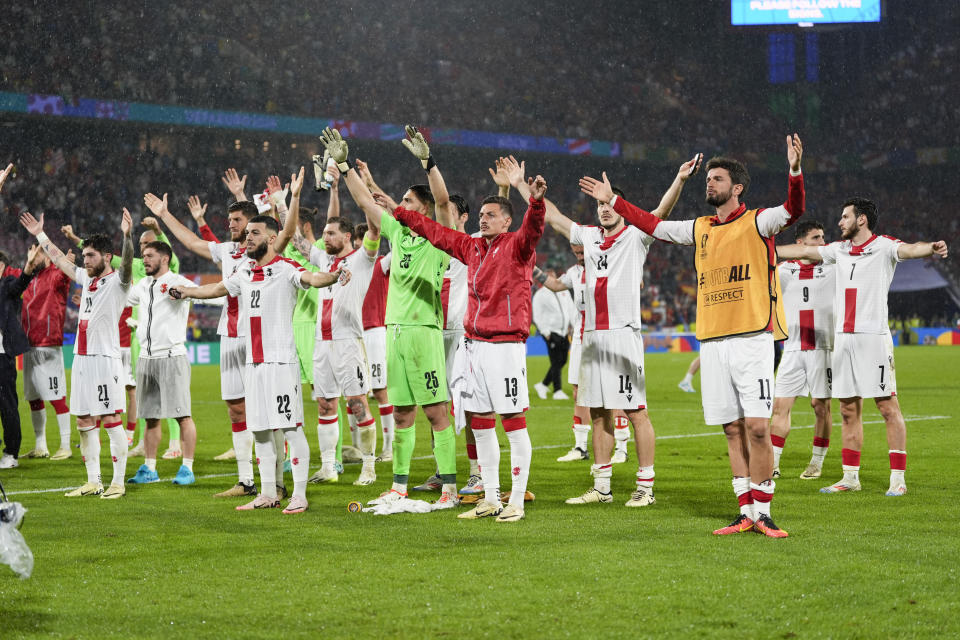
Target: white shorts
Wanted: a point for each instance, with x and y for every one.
(163, 387)
(492, 377)
(611, 370)
(736, 378)
(129, 380)
(233, 363)
(97, 386)
(863, 366)
(452, 341)
(573, 363)
(340, 368)
(43, 375)
(275, 400)
(804, 373)
(375, 342)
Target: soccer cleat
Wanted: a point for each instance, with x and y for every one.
(296, 505)
(446, 500)
(138, 451)
(113, 492)
(541, 390)
(62, 454)
(324, 474)
(433, 483)
(776, 472)
(172, 454)
(144, 476)
(388, 496)
(368, 475)
(282, 492)
(641, 498)
(590, 497)
(238, 491)
(351, 454)
(261, 502)
(686, 387)
(897, 490)
(483, 510)
(812, 471)
(557, 395)
(619, 457)
(88, 489)
(527, 496)
(510, 513)
(8, 462)
(474, 486)
(229, 454)
(38, 453)
(741, 524)
(574, 455)
(765, 526)
(184, 476)
(843, 485)
(386, 456)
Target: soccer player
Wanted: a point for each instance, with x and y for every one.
(416, 370)
(163, 369)
(230, 256)
(266, 285)
(96, 392)
(808, 291)
(862, 363)
(554, 315)
(44, 377)
(340, 365)
(738, 311)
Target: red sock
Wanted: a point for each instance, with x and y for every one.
(777, 441)
(898, 461)
(850, 458)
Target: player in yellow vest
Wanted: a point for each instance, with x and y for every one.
(739, 314)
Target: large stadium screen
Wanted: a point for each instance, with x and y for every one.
(765, 12)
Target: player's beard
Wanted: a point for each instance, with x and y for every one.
(97, 270)
(718, 199)
(333, 249)
(847, 234)
(257, 252)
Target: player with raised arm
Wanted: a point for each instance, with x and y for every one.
(266, 285)
(863, 363)
(416, 370)
(738, 312)
(808, 291)
(96, 392)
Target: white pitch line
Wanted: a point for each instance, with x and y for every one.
(718, 432)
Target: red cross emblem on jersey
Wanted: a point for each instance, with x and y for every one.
(163, 288)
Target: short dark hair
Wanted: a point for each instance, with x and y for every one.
(736, 169)
(99, 242)
(461, 204)
(505, 205)
(245, 207)
(160, 247)
(618, 192)
(805, 227)
(269, 222)
(343, 223)
(423, 193)
(360, 230)
(864, 207)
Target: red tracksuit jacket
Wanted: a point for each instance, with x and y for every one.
(45, 307)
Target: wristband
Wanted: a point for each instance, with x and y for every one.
(428, 164)
(370, 244)
(344, 166)
(539, 275)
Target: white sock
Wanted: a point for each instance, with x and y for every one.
(175, 445)
(488, 457)
(63, 424)
(819, 453)
(278, 446)
(386, 423)
(352, 421)
(118, 451)
(266, 462)
(188, 463)
(601, 476)
(300, 460)
(39, 420)
(367, 439)
(521, 452)
(474, 468)
(327, 432)
(645, 477)
(243, 447)
(762, 507)
(581, 436)
(90, 450)
(688, 379)
(777, 452)
(741, 487)
(151, 463)
(621, 434)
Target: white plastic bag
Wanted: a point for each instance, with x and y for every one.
(13, 548)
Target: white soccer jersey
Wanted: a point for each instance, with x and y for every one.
(614, 269)
(268, 295)
(101, 304)
(162, 326)
(453, 295)
(863, 277)
(230, 256)
(340, 308)
(575, 279)
(808, 292)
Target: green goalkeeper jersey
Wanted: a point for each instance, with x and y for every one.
(305, 311)
(416, 277)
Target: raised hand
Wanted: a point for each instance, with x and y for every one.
(33, 225)
(794, 152)
(196, 209)
(385, 201)
(594, 188)
(296, 183)
(67, 230)
(417, 145)
(940, 249)
(71, 256)
(690, 167)
(273, 184)
(336, 146)
(515, 170)
(151, 223)
(34, 258)
(363, 170)
(500, 176)
(538, 187)
(157, 206)
(4, 174)
(126, 222)
(234, 183)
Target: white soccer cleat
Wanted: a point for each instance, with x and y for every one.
(88, 489)
(368, 475)
(590, 497)
(541, 390)
(387, 497)
(260, 502)
(447, 500)
(483, 509)
(63, 454)
(557, 395)
(619, 456)
(386, 456)
(896, 490)
(229, 454)
(686, 387)
(113, 492)
(137, 451)
(172, 454)
(327, 473)
(474, 486)
(8, 462)
(38, 453)
(296, 505)
(510, 513)
(811, 472)
(641, 498)
(574, 455)
(842, 486)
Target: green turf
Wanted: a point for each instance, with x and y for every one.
(173, 562)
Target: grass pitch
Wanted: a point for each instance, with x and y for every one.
(174, 562)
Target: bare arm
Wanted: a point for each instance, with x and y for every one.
(320, 279)
(333, 206)
(669, 199)
(364, 170)
(189, 239)
(205, 292)
(798, 252)
(234, 184)
(551, 283)
(919, 250)
(35, 227)
(293, 217)
(501, 179)
(417, 145)
(126, 255)
(4, 174)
